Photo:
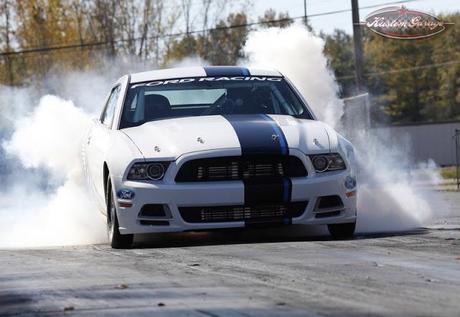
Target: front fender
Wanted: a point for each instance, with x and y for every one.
(120, 154)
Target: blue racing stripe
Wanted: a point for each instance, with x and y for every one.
(226, 71)
(284, 150)
(255, 133)
(287, 190)
(259, 134)
(279, 133)
(245, 71)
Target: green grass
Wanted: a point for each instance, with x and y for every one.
(448, 172)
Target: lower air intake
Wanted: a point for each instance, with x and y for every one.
(328, 206)
(328, 203)
(242, 213)
(152, 210)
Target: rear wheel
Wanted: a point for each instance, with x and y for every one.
(342, 230)
(116, 239)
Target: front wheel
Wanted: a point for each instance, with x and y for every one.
(342, 230)
(116, 239)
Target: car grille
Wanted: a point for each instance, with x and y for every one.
(240, 168)
(242, 213)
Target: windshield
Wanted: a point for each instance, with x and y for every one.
(209, 96)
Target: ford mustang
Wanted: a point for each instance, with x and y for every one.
(202, 148)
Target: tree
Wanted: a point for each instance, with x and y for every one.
(226, 41)
(339, 50)
(45, 23)
(283, 20)
(446, 53)
(6, 36)
(396, 77)
(103, 23)
(221, 45)
(408, 81)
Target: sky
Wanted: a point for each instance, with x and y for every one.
(328, 23)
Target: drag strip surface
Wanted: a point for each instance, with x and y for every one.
(256, 273)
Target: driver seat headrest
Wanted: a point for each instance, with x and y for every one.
(156, 107)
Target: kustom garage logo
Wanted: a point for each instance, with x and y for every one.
(402, 23)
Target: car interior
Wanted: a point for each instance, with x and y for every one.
(147, 104)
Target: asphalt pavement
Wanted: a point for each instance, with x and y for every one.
(289, 271)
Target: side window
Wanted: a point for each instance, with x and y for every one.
(109, 111)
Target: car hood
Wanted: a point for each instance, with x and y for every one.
(172, 138)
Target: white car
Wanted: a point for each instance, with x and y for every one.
(204, 148)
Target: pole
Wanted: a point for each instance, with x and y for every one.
(305, 12)
(457, 157)
(358, 46)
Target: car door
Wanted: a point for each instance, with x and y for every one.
(99, 141)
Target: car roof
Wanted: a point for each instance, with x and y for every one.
(199, 71)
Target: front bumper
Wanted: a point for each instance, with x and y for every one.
(175, 195)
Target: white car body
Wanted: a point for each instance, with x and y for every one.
(110, 152)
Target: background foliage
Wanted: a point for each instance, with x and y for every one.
(409, 81)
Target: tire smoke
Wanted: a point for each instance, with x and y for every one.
(298, 54)
(45, 197)
(46, 143)
(388, 197)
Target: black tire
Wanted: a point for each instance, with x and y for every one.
(116, 239)
(342, 230)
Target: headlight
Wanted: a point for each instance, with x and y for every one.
(320, 162)
(148, 171)
(156, 171)
(327, 162)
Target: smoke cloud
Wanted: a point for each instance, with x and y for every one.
(298, 54)
(46, 144)
(388, 198)
(45, 197)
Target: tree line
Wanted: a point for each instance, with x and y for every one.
(408, 81)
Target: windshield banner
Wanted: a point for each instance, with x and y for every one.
(205, 79)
